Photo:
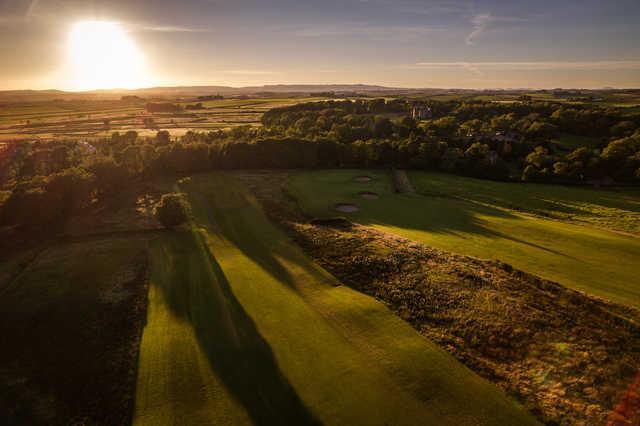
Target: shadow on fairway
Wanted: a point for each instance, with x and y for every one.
(242, 227)
(196, 290)
(447, 216)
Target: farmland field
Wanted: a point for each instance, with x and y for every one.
(485, 225)
(243, 325)
(94, 119)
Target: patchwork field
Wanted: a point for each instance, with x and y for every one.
(485, 224)
(243, 325)
(93, 119)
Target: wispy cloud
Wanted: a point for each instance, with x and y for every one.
(17, 13)
(31, 9)
(250, 72)
(479, 68)
(481, 22)
(367, 30)
(173, 29)
(419, 7)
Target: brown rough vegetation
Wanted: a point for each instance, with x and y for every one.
(569, 358)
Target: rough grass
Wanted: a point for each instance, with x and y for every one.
(598, 262)
(69, 330)
(235, 306)
(503, 323)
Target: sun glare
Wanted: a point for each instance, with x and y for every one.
(102, 56)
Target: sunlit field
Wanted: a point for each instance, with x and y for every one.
(93, 119)
(480, 218)
(293, 257)
(615, 209)
(367, 213)
(233, 291)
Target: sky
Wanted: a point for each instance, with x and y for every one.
(397, 43)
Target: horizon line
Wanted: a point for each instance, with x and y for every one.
(370, 86)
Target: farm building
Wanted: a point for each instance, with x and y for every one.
(421, 112)
(505, 137)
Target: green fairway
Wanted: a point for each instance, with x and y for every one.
(243, 327)
(616, 209)
(598, 262)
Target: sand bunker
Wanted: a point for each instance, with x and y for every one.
(367, 195)
(346, 208)
(363, 179)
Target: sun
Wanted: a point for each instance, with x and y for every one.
(102, 56)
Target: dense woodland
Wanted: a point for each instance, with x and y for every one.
(44, 182)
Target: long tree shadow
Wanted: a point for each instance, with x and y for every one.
(196, 289)
(242, 228)
(450, 216)
(433, 214)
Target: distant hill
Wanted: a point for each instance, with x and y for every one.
(43, 95)
(276, 89)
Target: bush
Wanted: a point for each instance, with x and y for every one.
(532, 174)
(46, 203)
(110, 177)
(171, 210)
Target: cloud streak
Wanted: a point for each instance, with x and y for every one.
(31, 9)
(359, 29)
(481, 22)
(250, 72)
(418, 7)
(478, 67)
(173, 29)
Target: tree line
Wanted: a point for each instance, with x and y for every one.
(50, 181)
